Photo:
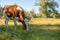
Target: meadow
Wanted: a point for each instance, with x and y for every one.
(39, 29)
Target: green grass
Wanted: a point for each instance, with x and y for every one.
(36, 32)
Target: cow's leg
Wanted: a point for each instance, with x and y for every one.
(15, 23)
(6, 19)
(6, 22)
(26, 23)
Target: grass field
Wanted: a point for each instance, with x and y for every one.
(39, 29)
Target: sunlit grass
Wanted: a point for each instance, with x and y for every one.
(38, 21)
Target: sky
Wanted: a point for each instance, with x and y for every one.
(27, 5)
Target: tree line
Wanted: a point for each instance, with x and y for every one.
(46, 8)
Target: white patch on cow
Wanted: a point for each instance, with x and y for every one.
(6, 20)
(18, 8)
(15, 23)
(26, 22)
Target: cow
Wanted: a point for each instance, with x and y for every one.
(15, 12)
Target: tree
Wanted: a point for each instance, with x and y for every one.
(47, 7)
(27, 15)
(32, 13)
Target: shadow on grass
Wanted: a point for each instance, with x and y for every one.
(35, 33)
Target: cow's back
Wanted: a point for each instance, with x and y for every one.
(11, 10)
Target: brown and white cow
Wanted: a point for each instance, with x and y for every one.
(15, 12)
